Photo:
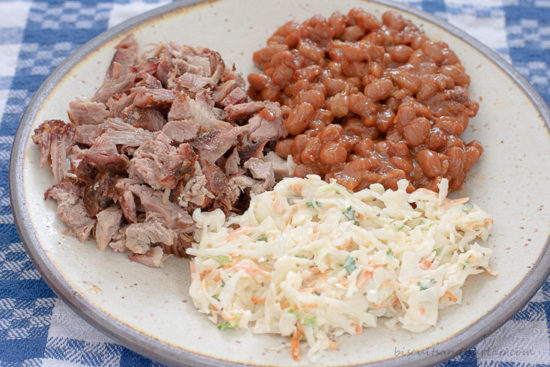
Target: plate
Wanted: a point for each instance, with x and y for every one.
(149, 310)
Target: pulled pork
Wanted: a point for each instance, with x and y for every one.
(167, 133)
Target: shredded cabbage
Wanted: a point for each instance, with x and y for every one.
(313, 260)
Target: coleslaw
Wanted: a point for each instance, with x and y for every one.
(312, 260)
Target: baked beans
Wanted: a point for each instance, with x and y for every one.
(368, 100)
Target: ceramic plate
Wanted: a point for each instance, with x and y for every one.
(149, 310)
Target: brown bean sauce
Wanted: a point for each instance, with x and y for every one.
(368, 101)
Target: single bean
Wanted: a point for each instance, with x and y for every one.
(437, 139)
(308, 73)
(399, 148)
(401, 53)
(457, 73)
(311, 51)
(282, 74)
(364, 147)
(433, 51)
(379, 89)
(349, 142)
(408, 81)
(271, 92)
(258, 81)
(393, 20)
(455, 173)
(382, 148)
(332, 153)
(284, 147)
(360, 105)
(265, 54)
(354, 69)
(310, 153)
(294, 60)
(472, 153)
(417, 131)
(384, 120)
(449, 125)
(366, 21)
(332, 132)
(298, 145)
(338, 105)
(292, 39)
(325, 116)
(286, 28)
(312, 96)
(335, 68)
(338, 23)
(333, 86)
(391, 178)
(352, 33)
(449, 57)
(402, 163)
(354, 52)
(356, 127)
(299, 118)
(429, 162)
(369, 178)
(427, 89)
(454, 141)
(358, 167)
(405, 114)
(376, 70)
(300, 85)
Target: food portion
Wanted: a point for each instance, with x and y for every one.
(167, 132)
(171, 157)
(368, 101)
(312, 260)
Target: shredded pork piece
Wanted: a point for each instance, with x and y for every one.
(108, 223)
(156, 141)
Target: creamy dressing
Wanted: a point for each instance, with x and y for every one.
(313, 260)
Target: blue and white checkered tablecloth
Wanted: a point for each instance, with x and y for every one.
(38, 329)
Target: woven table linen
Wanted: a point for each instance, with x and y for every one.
(38, 329)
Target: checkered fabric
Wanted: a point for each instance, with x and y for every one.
(38, 329)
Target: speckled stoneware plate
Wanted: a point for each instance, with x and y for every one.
(149, 310)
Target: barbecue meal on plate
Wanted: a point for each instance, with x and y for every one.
(312, 203)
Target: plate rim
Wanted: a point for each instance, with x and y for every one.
(167, 354)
